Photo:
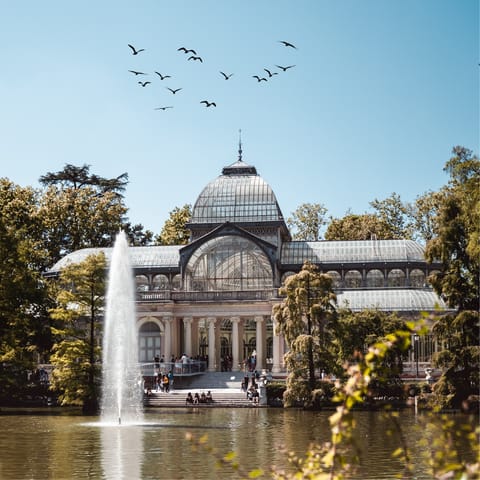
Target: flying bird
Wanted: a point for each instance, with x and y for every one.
(172, 90)
(285, 68)
(226, 76)
(259, 79)
(144, 84)
(195, 58)
(163, 77)
(137, 73)
(183, 49)
(135, 51)
(287, 44)
(270, 74)
(162, 108)
(209, 104)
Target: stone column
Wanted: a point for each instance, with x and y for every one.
(260, 340)
(167, 322)
(211, 344)
(187, 322)
(235, 344)
(277, 339)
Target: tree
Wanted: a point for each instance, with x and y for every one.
(80, 299)
(137, 236)
(307, 221)
(456, 242)
(305, 318)
(24, 332)
(358, 227)
(175, 231)
(80, 210)
(423, 214)
(394, 213)
(459, 361)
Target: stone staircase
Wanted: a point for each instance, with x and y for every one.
(224, 386)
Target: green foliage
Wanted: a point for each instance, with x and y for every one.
(459, 361)
(175, 231)
(307, 221)
(305, 317)
(80, 299)
(394, 213)
(457, 242)
(358, 227)
(24, 329)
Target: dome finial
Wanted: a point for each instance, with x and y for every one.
(240, 144)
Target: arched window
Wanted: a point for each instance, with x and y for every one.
(417, 278)
(375, 278)
(141, 283)
(353, 279)
(396, 278)
(149, 342)
(336, 278)
(228, 263)
(160, 282)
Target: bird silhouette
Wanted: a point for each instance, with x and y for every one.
(259, 79)
(183, 49)
(226, 76)
(135, 51)
(270, 74)
(162, 108)
(172, 90)
(285, 68)
(195, 58)
(137, 73)
(288, 44)
(144, 84)
(209, 104)
(163, 77)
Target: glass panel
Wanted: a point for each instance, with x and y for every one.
(417, 278)
(396, 278)
(336, 278)
(374, 279)
(353, 279)
(228, 263)
(141, 282)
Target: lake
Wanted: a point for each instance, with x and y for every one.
(71, 447)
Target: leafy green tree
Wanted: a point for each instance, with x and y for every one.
(459, 360)
(80, 299)
(80, 210)
(305, 319)
(24, 332)
(394, 213)
(456, 242)
(358, 227)
(307, 221)
(137, 236)
(423, 214)
(175, 231)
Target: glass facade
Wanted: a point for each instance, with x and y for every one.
(228, 263)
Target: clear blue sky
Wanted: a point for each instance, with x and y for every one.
(380, 93)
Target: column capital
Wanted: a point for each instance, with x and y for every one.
(167, 319)
(187, 320)
(211, 321)
(259, 318)
(235, 320)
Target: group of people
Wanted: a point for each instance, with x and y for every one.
(196, 399)
(164, 382)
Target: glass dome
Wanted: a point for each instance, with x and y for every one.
(239, 195)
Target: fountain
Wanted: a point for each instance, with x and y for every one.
(122, 390)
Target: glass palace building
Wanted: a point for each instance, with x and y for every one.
(213, 297)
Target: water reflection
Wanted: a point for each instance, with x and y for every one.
(60, 447)
(122, 452)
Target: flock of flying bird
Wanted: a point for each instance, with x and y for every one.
(196, 58)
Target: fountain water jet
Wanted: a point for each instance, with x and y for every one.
(122, 386)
